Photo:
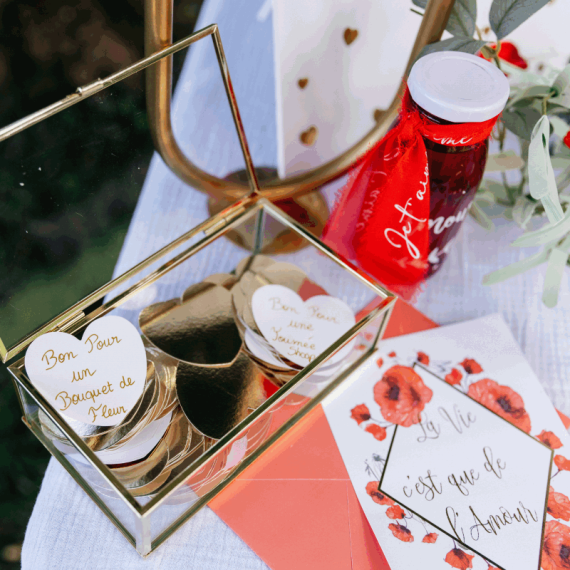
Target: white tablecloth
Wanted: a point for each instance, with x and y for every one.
(67, 531)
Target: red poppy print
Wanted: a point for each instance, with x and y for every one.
(471, 366)
(502, 400)
(395, 512)
(550, 439)
(401, 532)
(430, 538)
(459, 559)
(392, 354)
(377, 431)
(376, 495)
(566, 139)
(380, 362)
(423, 358)
(556, 546)
(558, 505)
(402, 395)
(360, 413)
(454, 377)
(562, 463)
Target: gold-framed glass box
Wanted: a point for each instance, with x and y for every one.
(148, 512)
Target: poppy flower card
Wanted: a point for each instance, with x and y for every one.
(456, 453)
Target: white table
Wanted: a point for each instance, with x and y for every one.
(66, 530)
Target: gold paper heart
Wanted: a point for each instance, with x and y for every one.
(350, 35)
(378, 114)
(302, 83)
(309, 136)
(216, 382)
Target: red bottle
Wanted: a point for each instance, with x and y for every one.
(451, 88)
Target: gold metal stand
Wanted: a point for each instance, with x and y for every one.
(158, 35)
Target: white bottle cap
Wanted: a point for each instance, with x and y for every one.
(458, 87)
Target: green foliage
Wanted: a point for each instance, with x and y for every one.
(458, 43)
(538, 114)
(507, 15)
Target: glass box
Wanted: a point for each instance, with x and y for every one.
(147, 514)
(146, 521)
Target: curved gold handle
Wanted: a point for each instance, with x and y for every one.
(158, 34)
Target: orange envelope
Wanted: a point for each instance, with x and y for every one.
(295, 506)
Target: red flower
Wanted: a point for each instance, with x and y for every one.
(379, 362)
(556, 546)
(376, 495)
(558, 505)
(402, 395)
(502, 400)
(360, 413)
(392, 354)
(566, 139)
(401, 532)
(459, 559)
(378, 432)
(454, 377)
(395, 512)
(562, 463)
(510, 53)
(430, 538)
(549, 438)
(423, 358)
(471, 366)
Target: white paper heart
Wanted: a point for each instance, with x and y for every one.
(301, 330)
(95, 380)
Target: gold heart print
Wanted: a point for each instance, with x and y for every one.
(302, 83)
(216, 382)
(350, 35)
(309, 136)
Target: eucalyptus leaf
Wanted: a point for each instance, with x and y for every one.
(560, 162)
(503, 161)
(462, 18)
(523, 210)
(516, 268)
(560, 126)
(541, 180)
(498, 190)
(479, 215)
(521, 120)
(507, 15)
(530, 93)
(458, 43)
(522, 78)
(561, 87)
(553, 277)
(546, 234)
(485, 197)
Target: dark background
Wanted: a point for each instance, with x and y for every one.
(68, 188)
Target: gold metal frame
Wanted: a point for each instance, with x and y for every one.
(158, 35)
(213, 229)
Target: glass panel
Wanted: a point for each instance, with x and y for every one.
(192, 460)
